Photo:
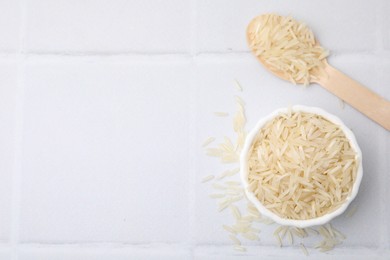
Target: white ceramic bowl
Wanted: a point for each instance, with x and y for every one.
(291, 222)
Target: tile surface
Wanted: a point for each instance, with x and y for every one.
(103, 160)
(221, 24)
(8, 90)
(5, 253)
(10, 20)
(384, 24)
(385, 77)
(100, 26)
(102, 254)
(104, 106)
(222, 252)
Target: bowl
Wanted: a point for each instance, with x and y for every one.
(293, 222)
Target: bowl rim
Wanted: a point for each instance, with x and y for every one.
(292, 222)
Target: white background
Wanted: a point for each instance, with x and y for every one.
(104, 105)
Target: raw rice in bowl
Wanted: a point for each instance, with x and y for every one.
(301, 166)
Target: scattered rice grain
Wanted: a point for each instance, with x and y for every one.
(221, 114)
(303, 248)
(240, 248)
(208, 178)
(290, 237)
(250, 236)
(217, 196)
(235, 211)
(229, 229)
(235, 240)
(351, 211)
(208, 141)
(238, 85)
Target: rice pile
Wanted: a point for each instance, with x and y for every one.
(301, 166)
(287, 46)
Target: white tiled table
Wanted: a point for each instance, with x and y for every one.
(104, 106)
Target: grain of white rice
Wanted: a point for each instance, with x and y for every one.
(208, 178)
(217, 196)
(215, 152)
(235, 211)
(233, 183)
(237, 198)
(240, 228)
(266, 221)
(229, 229)
(303, 248)
(230, 158)
(331, 238)
(240, 102)
(234, 172)
(233, 192)
(330, 230)
(223, 175)
(223, 204)
(278, 239)
(218, 186)
(239, 119)
(208, 141)
(249, 218)
(312, 230)
(299, 232)
(238, 85)
(336, 232)
(278, 230)
(351, 211)
(290, 237)
(283, 232)
(324, 232)
(320, 244)
(227, 145)
(239, 248)
(250, 236)
(235, 240)
(235, 188)
(221, 114)
(326, 248)
(254, 213)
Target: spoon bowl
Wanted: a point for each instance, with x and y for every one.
(361, 98)
(253, 26)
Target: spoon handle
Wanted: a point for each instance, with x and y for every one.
(367, 102)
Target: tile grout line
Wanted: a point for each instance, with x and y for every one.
(380, 21)
(386, 229)
(382, 192)
(194, 27)
(192, 161)
(384, 239)
(192, 131)
(133, 56)
(378, 28)
(16, 182)
(381, 38)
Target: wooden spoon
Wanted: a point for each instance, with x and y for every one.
(367, 102)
